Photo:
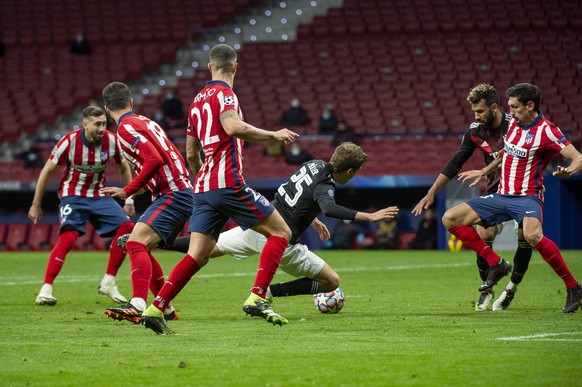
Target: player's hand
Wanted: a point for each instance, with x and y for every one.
(285, 136)
(423, 204)
(561, 172)
(476, 175)
(115, 192)
(321, 229)
(129, 210)
(385, 213)
(35, 214)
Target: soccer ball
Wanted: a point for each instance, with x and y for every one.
(331, 302)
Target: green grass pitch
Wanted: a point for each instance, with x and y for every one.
(408, 320)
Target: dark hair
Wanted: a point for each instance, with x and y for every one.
(348, 155)
(92, 111)
(222, 57)
(116, 96)
(483, 92)
(525, 92)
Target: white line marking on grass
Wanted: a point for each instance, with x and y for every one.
(544, 337)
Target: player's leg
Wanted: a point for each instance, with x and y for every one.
(108, 285)
(521, 261)
(487, 210)
(486, 296)
(73, 216)
(533, 233)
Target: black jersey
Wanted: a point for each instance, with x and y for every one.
(489, 141)
(308, 192)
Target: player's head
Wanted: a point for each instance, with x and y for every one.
(346, 161)
(524, 102)
(222, 59)
(94, 123)
(117, 96)
(484, 101)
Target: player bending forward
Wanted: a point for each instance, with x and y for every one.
(309, 191)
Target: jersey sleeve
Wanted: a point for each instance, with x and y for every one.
(324, 195)
(556, 140)
(463, 153)
(227, 101)
(59, 154)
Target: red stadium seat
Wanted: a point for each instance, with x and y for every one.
(16, 236)
(3, 228)
(38, 238)
(84, 242)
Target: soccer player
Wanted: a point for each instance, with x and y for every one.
(84, 153)
(216, 125)
(486, 134)
(309, 191)
(161, 170)
(530, 142)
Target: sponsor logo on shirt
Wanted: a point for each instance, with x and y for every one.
(90, 169)
(515, 151)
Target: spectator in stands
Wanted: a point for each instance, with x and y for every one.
(79, 45)
(85, 153)
(387, 234)
(161, 119)
(328, 121)
(345, 235)
(32, 158)
(172, 107)
(296, 155)
(426, 235)
(296, 115)
(343, 134)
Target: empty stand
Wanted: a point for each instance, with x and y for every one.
(39, 236)
(16, 236)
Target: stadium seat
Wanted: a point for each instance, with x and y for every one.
(3, 228)
(84, 242)
(16, 236)
(38, 238)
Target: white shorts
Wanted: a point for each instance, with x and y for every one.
(297, 260)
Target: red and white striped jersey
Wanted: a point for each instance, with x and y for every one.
(85, 163)
(527, 152)
(223, 154)
(133, 132)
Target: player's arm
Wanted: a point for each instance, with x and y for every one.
(453, 166)
(35, 211)
(477, 174)
(575, 166)
(333, 210)
(193, 147)
(321, 229)
(126, 177)
(236, 127)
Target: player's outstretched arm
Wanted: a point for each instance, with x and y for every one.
(321, 229)
(428, 199)
(236, 127)
(477, 174)
(385, 213)
(574, 167)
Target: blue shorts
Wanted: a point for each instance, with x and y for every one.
(494, 209)
(243, 205)
(104, 213)
(168, 213)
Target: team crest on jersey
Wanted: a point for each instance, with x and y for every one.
(104, 156)
(229, 100)
(331, 193)
(529, 137)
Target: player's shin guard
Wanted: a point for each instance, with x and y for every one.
(59, 254)
(521, 260)
(268, 263)
(141, 268)
(116, 253)
(469, 236)
(178, 278)
(551, 254)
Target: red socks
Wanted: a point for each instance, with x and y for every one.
(469, 236)
(141, 269)
(551, 254)
(178, 278)
(116, 253)
(157, 280)
(268, 263)
(58, 255)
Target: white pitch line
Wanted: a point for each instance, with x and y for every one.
(543, 337)
(71, 279)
